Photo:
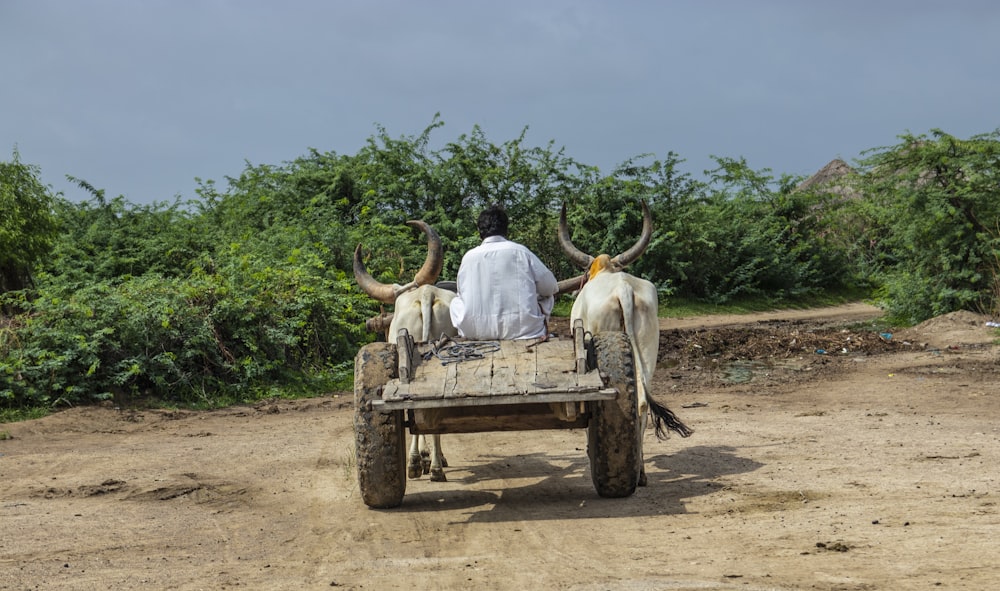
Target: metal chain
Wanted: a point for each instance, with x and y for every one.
(464, 351)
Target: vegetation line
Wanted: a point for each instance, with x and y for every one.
(246, 291)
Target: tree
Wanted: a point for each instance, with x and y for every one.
(934, 207)
(743, 234)
(27, 226)
(605, 216)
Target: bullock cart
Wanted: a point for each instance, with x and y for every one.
(574, 382)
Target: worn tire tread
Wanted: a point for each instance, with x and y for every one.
(613, 432)
(380, 443)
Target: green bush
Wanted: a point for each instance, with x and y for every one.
(931, 206)
(27, 226)
(742, 235)
(228, 335)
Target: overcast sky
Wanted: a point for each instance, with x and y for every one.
(139, 97)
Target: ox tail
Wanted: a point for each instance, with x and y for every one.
(626, 303)
(664, 420)
(426, 314)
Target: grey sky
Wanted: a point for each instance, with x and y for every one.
(139, 97)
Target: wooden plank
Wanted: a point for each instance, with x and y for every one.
(406, 353)
(515, 369)
(478, 375)
(495, 378)
(579, 349)
(527, 361)
(553, 370)
(523, 417)
(449, 373)
(581, 394)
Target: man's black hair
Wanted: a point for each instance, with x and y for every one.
(492, 222)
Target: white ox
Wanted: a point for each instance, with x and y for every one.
(614, 301)
(423, 310)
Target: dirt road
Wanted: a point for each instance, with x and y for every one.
(825, 457)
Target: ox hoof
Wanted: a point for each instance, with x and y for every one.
(414, 469)
(642, 477)
(438, 476)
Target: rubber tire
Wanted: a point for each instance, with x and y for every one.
(613, 431)
(379, 437)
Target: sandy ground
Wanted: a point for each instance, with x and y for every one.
(825, 457)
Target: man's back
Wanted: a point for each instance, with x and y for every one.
(504, 292)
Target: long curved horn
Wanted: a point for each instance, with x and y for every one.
(577, 256)
(434, 262)
(622, 260)
(570, 285)
(380, 291)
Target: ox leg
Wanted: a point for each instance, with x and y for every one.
(444, 460)
(414, 467)
(438, 463)
(425, 455)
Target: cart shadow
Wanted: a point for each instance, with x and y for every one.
(565, 489)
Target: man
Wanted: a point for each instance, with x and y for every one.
(504, 289)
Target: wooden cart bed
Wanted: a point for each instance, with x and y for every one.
(516, 373)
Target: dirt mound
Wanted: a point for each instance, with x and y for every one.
(951, 330)
(960, 320)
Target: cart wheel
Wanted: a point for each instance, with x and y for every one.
(379, 436)
(613, 432)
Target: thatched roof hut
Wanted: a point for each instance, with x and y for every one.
(833, 178)
(836, 170)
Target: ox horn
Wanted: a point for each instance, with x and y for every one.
(570, 285)
(434, 262)
(380, 291)
(427, 274)
(621, 261)
(577, 256)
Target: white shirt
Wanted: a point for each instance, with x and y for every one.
(504, 292)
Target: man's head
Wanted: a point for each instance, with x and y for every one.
(492, 222)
